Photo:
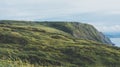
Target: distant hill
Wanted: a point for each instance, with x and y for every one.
(56, 44)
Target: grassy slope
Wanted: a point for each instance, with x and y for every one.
(79, 30)
(46, 45)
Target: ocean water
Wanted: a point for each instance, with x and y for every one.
(116, 41)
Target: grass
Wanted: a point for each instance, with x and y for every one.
(43, 45)
(19, 63)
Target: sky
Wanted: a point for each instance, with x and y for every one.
(103, 14)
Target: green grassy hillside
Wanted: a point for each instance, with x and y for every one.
(79, 30)
(55, 44)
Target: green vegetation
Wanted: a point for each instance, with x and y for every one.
(54, 44)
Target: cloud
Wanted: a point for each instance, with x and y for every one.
(55, 8)
(114, 12)
(107, 28)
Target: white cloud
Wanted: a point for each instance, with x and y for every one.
(107, 27)
(55, 8)
(117, 12)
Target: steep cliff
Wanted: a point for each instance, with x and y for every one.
(80, 30)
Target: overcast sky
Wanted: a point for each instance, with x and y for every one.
(103, 14)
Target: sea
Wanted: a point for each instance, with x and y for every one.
(116, 41)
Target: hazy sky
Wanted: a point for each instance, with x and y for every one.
(103, 14)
